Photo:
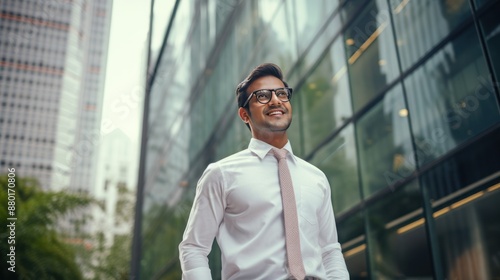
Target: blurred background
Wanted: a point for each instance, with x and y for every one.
(111, 110)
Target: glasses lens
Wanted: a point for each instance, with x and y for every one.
(263, 96)
(282, 94)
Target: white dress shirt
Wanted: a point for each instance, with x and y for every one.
(238, 201)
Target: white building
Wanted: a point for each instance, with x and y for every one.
(52, 66)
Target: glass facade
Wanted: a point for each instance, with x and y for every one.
(397, 101)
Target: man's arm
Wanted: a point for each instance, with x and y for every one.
(333, 260)
(202, 226)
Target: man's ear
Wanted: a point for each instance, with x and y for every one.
(242, 112)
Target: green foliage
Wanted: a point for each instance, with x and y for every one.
(114, 262)
(163, 229)
(40, 250)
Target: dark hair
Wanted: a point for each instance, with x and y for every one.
(266, 69)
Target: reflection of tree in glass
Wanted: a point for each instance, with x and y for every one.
(162, 233)
(341, 173)
(317, 98)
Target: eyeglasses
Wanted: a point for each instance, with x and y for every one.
(265, 95)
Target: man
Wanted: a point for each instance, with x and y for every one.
(239, 200)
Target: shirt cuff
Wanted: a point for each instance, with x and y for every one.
(200, 273)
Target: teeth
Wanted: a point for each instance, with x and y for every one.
(275, 113)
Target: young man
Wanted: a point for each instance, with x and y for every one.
(262, 234)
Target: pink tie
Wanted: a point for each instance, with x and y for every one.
(291, 221)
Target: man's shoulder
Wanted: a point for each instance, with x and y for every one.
(232, 159)
(309, 166)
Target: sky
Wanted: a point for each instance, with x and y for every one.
(125, 82)
(124, 87)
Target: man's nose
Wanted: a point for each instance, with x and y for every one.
(274, 98)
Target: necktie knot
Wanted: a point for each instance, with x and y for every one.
(279, 153)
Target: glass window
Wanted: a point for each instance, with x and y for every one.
(479, 159)
(223, 9)
(277, 41)
(338, 160)
(325, 98)
(351, 9)
(384, 143)
(490, 25)
(351, 233)
(397, 239)
(321, 45)
(309, 16)
(480, 3)
(244, 37)
(466, 209)
(420, 25)
(371, 53)
(468, 232)
(450, 98)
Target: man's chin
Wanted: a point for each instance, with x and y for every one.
(279, 127)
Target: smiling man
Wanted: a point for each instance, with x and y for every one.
(269, 210)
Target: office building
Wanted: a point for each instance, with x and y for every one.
(397, 101)
(52, 67)
(87, 138)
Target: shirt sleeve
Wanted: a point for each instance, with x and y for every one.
(202, 226)
(333, 260)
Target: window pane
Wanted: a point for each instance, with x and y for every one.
(371, 53)
(338, 161)
(468, 231)
(322, 43)
(397, 240)
(466, 209)
(274, 45)
(384, 143)
(420, 25)
(450, 98)
(309, 16)
(490, 24)
(325, 98)
(351, 231)
(480, 3)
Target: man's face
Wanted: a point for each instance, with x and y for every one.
(272, 117)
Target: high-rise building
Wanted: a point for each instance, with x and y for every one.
(52, 67)
(397, 101)
(86, 147)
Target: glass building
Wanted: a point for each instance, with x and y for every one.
(397, 101)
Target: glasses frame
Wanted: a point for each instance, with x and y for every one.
(290, 90)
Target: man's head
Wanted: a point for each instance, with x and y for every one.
(263, 101)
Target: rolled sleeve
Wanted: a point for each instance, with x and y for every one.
(203, 224)
(201, 273)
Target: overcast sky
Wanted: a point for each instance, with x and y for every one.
(124, 87)
(125, 84)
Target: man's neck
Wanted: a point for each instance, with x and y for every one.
(277, 140)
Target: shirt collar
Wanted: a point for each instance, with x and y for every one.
(261, 148)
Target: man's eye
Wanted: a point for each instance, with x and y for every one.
(281, 93)
(262, 96)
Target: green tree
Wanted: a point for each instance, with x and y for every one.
(40, 250)
(114, 262)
